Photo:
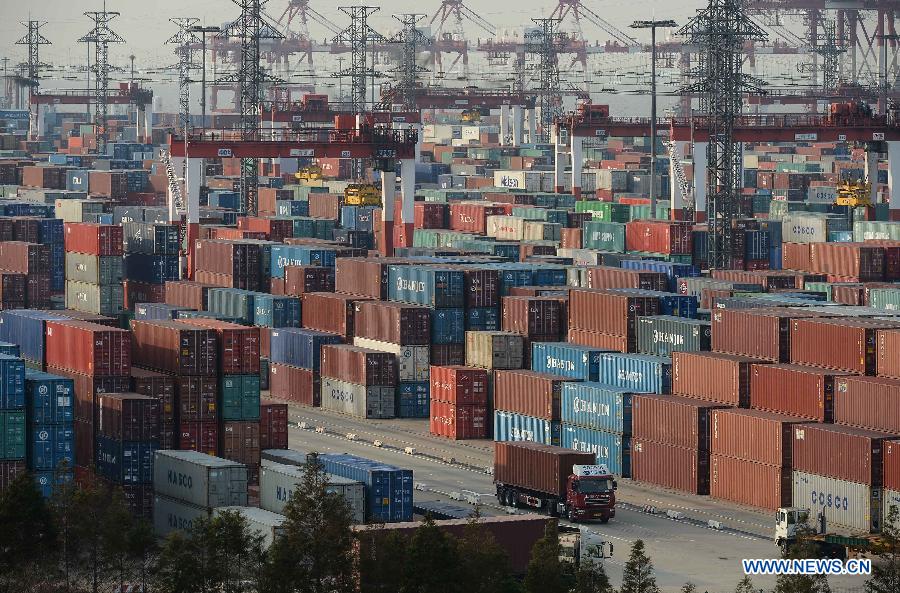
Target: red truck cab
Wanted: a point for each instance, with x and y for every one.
(590, 494)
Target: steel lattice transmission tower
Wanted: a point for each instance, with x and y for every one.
(34, 40)
(720, 31)
(101, 36)
(407, 73)
(250, 27)
(186, 40)
(359, 36)
(827, 46)
(547, 42)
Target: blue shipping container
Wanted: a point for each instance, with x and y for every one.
(389, 489)
(639, 373)
(291, 208)
(48, 481)
(357, 218)
(49, 399)
(125, 462)
(413, 400)
(49, 445)
(152, 269)
(10, 349)
(566, 360)
(299, 347)
(276, 311)
(432, 287)
(595, 405)
(672, 270)
(611, 449)
(448, 326)
(26, 327)
(12, 382)
(299, 255)
(485, 319)
(509, 426)
(676, 305)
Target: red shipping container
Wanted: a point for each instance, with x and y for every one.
(9, 471)
(676, 421)
(872, 403)
(570, 238)
(761, 437)
(293, 384)
(239, 441)
(366, 277)
(185, 293)
(157, 385)
(143, 292)
(598, 340)
(891, 464)
(196, 398)
(395, 323)
(268, 196)
(273, 425)
(32, 259)
(330, 312)
(93, 239)
(713, 377)
(858, 261)
(847, 294)
(539, 318)
(88, 348)
(239, 345)
(431, 215)
(759, 333)
(796, 256)
(228, 263)
(199, 436)
(459, 385)
(840, 452)
(111, 184)
(359, 365)
(608, 311)
(804, 392)
(175, 347)
(275, 229)
(609, 277)
(846, 344)
(128, 417)
(458, 422)
(323, 205)
(87, 390)
(528, 393)
(888, 345)
(471, 217)
(665, 465)
(749, 483)
(656, 236)
(299, 280)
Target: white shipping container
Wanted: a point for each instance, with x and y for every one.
(804, 227)
(74, 210)
(494, 350)
(576, 276)
(170, 514)
(527, 180)
(541, 231)
(845, 504)
(506, 228)
(200, 479)
(470, 133)
(582, 257)
(259, 521)
(413, 361)
(751, 161)
(825, 194)
(613, 179)
(277, 482)
(357, 400)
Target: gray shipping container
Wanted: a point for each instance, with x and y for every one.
(93, 269)
(412, 361)
(277, 482)
(358, 400)
(95, 298)
(171, 515)
(259, 521)
(661, 335)
(75, 210)
(494, 350)
(200, 479)
(845, 504)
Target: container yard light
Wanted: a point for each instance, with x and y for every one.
(652, 25)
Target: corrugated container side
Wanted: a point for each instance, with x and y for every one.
(804, 392)
(200, 479)
(528, 393)
(598, 406)
(845, 504)
(536, 467)
(758, 437)
(662, 464)
(609, 448)
(509, 426)
(672, 420)
(839, 452)
(729, 477)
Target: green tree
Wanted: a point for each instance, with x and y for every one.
(315, 552)
(432, 561)
(546, 573)
(886, 572)
(28, 537)
(381, 560)
(142, 548)
(791, 583)
(638, 574)
(484, 565)
(114, 533)
(745, 585)
(180, 567)
(689, 588)
(592, 578)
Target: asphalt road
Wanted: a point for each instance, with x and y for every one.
(679, 538)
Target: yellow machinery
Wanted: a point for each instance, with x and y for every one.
(313, 173)
(362, 194)
(854, 193)
(471, 116)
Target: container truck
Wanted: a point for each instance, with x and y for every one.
(554, 480)
(792, 525)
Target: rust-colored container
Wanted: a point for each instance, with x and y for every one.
(111, 184)
(871, 403)
(275, 229)
(891, 465)
(608, 311)
(759, 333)
(160, 386)
(199, 436)
(846, 344)
(239, 441)
(448, 354)
(459, 385)
(239, 346)
(768, 279)
(362, 276)
(672, 420)
(801, 391)
(543, 468)
(431, 215)
(88, 388)
(761, 437)
(85, 443)
(857, 262)
(749, 483)
(609, 277)
(712, 377)
(888, 346)
(471, 217)
(293, 384)
(330, 312)
(325, 205)
(88, 348)
(231, 263)
(796, 256)
(25, 258)
(538, 318)
(840, 452)
(396, 323)
(359, 365)
(528, 393)
(570, 238)
(458, 422)
(597, 340)
(273, 425)
(94, 239)
(196, 398)
(669, 466)
(128, 417)
(175, 347)
(186, 293)
(142, 292)
(658, 236)
(299, 280)
(847, 294)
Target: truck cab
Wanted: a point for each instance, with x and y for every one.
(590, 494)
(787, 522)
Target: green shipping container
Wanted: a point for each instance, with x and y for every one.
(864, 231)
(12, 434)
(95, 298)
(885, 298)
(605, 236)
(239, 397)
(81, 267)
(605, 211)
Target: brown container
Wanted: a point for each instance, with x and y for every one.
(175, 347)
(330, 312)
(160, 386)
(143, 292)
(325, 205)
(796, 256)
(359, 365)
(840, 452)
(237, 264)
(597, 340)
(85, 443)
(239, 441)
(749, 483)
(459, 385)
(888, 345)
(542, 468)
(671, 420)
(608, 311)
(88, 348)
(857, 262)
(669, 466)
(761, 437)
(275, 229)
(712, 377)
(299, 280)
(293, 384)
(847, 294)
(93, 239)
(239, 346)
(801, 391)
(528, 393)
(196, 397)
(273, 425)
(538, 318)
(25, 258)
(199, 436)
(471, 217)
(871, 403)
(111, 184)
(609, 277)
(396, 323)
(891, 464)
(361, 276)
(458, 422)
(759, 333)
(845, 344)
(570, 238)
(87, 390)
(9, 471)
(128, 417)
(431, 215)
(186, 293)
(448, 354)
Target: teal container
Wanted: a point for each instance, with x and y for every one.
(239, 397)
(605, 211)
(605, 236)
(12, 434)
(885, 298)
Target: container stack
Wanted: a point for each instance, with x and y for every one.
(357, 381)
(389, 489)
(595, 419)
(527, 406)
(94, 268)
(296, 356)
(49, 232)
(13, 428)
(459, 400)
(278, 481)
(28, 263)
(273, 425)
(49, 413)
(162, 387)
(151, 259)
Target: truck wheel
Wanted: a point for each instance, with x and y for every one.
(571, 516)
(604, 520)
(501, 497)
(512, 498)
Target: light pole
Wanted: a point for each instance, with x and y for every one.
(652, 25)
(203, 31)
